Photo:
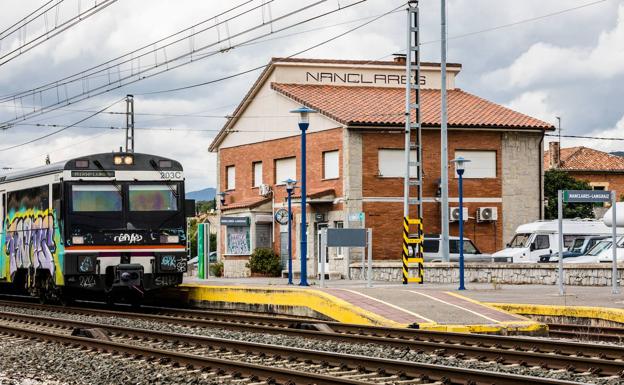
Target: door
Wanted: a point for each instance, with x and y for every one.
(319, 228)
(540, 246)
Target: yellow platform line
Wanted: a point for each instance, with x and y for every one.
(603, 313)
(316, 300)
(392, 306)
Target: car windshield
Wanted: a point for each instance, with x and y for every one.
(600, 246)
(520, 240)
(577, 245)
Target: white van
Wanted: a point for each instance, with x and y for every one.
(535, 239)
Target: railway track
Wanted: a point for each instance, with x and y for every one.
(586, 332)
(251, 362)
(578, 357)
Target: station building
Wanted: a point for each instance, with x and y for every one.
(355, 160)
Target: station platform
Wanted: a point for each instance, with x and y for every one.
(417, 306)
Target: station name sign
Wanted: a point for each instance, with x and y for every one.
(572, 196)
(235, 221)
(93, 174)
(359, 78)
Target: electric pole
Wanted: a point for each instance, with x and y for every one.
(444, 215)
(129, 123)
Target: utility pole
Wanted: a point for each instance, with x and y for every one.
(444, 142)
(129, 123)
(559, 146)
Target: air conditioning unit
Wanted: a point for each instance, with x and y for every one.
(486, 214)
(454, 214)
(264, 190)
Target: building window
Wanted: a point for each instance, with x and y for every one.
(330, 165)
(263, 236)
(238, 240)
(230, 175)
(339, 250)
(482, 164)
(285, 168)
(392, 163)
(257, 174)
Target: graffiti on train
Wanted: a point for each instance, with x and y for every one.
(30, 241)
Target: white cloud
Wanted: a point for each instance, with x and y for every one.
(535, 104)
(546, 63)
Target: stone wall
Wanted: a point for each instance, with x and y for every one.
(522, 157)
(498, 273)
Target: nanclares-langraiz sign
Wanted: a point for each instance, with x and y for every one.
(572, 196)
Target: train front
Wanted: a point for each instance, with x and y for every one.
(124, 224)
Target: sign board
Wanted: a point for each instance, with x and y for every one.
(346, 237)
(354, 217)
(93, 174)
(234, 221)
(578, 196)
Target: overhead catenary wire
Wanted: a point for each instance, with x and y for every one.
(8, 30)
(166, 65)
(49, 34)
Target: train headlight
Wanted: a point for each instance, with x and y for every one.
(117, 159)
(128, 160)
(77, 239)
(169, 239)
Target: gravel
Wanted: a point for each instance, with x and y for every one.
(25, 362)
(371, 350)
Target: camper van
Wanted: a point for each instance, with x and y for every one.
(536, 239)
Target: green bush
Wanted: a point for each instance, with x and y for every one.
(216, 269)
(265, 261)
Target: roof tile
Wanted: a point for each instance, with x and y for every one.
(586, 159)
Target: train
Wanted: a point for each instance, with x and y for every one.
(108, 226)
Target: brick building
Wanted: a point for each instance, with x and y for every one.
(603, 171)
(355, 147)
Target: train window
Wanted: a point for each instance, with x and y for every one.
(36, 198)
(91, 198)
(153, 197)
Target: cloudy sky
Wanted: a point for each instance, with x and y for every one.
(543, 58)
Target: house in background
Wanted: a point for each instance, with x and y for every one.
(355, 160)
(603, 171)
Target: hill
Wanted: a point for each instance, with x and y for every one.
(206, 194)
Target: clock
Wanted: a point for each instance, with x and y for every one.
(281, 216)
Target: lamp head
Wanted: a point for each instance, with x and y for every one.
(222, 195)
(304, 114)
(290, 184)
(460, 164)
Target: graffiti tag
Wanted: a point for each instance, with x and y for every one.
(86, 265)
(30, 241)
(165, 280)
(86, 280)
(128, 238)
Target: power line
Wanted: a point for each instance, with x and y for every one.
(8, 31)
(60, 130)
(26, 46)
(168, 64)
(585, 137)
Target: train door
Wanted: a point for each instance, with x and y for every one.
(2, 234)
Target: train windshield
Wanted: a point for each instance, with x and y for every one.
(96, 198)
(152, 197)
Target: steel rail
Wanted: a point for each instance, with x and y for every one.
(405, 369)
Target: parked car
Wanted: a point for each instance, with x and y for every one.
(593, 255)
(212, 258)
(432, 250)
(536, 239)
(580, 246)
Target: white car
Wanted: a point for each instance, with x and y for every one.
(601, 252)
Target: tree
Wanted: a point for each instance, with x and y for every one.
(204, 206)
(555, 180)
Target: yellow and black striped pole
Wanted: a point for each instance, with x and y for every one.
(418, 253)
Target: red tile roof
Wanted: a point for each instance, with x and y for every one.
(356, 62)
(381, 106)
(586, 159)
(247, 203)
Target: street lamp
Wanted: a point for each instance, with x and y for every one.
(290, 187)
(222, 195)
(459, 167)
(304, 123)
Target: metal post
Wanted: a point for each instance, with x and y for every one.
(304, 237)
(129, 123)
(560, 219)
(443, 141)
(461, 231)
(206, 228)
(290, 272)
(370, 258)
(323, 254)
(614, 272)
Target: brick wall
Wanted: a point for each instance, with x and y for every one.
(615, 180)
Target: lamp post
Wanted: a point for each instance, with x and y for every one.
(304, 123)
(290, 186)
(222, 195)
(459, 167)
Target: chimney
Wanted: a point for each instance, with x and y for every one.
(400, 58)
(553, 155)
